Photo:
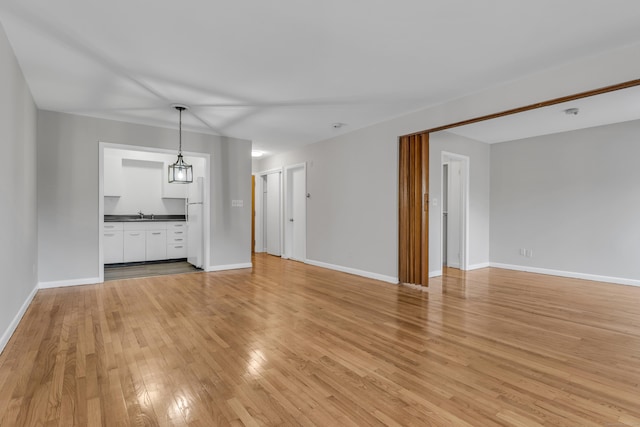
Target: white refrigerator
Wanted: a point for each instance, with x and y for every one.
(195, 224)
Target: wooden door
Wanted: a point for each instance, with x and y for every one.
(413, 214)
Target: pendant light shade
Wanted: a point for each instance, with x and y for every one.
(180, 172)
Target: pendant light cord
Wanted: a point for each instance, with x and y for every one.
(180, 137)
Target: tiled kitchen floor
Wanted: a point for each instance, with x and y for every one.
(147, 269)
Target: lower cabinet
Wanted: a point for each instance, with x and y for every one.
(176, 240)
(175, 251)
(135, 248)
(144, 241)
(112, 244)
(156, 245)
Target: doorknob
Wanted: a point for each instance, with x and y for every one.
(290, 219)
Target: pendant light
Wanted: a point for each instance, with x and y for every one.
(180, 172)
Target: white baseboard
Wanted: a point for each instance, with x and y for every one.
(478, 266)
(435, 273)
(6, 336)
(228, 267)
(72, 282)
(355, 271)
(573, 275)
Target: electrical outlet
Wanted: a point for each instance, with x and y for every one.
(523, 251)
(530, 253)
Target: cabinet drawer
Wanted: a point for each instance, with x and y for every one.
(179, 239)
(181, 225)
(176, 250)
(178, 232)
(112, 226)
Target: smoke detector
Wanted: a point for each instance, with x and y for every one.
(338, 125)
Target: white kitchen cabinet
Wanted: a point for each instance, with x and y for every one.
(134, 245)
(156, 243)
(176, 250)
(112, 243)
(113, 179)
(173, 190)
(176, 240)
(144, 241)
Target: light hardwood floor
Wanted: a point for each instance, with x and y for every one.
(291, 344)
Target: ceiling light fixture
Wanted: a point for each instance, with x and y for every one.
(257, 153)
(572, 111)
(180, 172)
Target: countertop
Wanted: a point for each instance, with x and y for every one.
(146, 218)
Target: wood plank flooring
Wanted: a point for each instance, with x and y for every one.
(290, 344)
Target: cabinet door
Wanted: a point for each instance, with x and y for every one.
(134, 246)
(112, 244)
(156, 245)
(176, 251)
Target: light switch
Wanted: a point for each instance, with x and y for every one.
(435, 202)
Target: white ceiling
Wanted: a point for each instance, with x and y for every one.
(613, 107)
(280, 72)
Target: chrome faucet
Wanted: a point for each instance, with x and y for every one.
(141, 214)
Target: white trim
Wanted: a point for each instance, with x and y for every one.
(465, 179)
(287, 201)
(72, 282)
(573, 275)
(368, 274)
(478, 266)
(6, 336)
(281, 213)
(228, 267)
(435, 273)
(268, 172)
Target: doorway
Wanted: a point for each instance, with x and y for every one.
(143, 228)
(272, 212)
(295, 225)
(454, 213)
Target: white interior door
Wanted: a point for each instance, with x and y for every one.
(273, 217)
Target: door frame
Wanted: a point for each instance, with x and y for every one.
(261, 228)
(445, 156)
(287, 202)
(206, 226)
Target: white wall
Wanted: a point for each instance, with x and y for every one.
(352, 178)
(18, 262)
(572, 198)
(352, 211)
(68, 190)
